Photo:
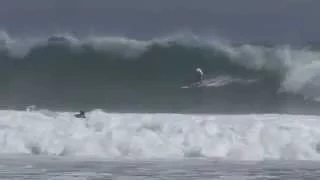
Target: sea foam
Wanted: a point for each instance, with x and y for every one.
(113, 135)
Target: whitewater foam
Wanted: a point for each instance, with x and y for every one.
(111, 135)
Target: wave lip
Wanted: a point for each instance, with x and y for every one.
(235, 137)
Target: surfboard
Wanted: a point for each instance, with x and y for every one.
(193, 85)
(206, 83)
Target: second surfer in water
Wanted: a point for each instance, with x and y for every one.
(82, 115)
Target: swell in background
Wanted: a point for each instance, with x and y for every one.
(121, 74)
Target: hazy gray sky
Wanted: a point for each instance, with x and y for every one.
(281, 20)
(155, 5)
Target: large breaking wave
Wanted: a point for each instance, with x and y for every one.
(117, 73)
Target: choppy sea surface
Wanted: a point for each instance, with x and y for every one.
(42, 167)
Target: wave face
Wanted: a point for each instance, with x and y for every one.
(113, 135)
(121, 74)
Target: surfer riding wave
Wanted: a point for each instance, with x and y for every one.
(197, 80)
(199, 76)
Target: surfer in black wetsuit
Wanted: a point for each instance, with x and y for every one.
(199, 76)
(80, 115)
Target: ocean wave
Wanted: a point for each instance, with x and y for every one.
(60, 69)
